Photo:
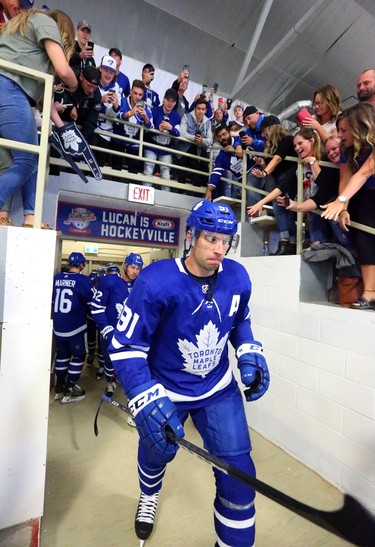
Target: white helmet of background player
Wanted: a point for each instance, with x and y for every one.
(77, 260)
(112, 268)
(213, 217)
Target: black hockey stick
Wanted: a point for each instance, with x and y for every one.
(351, 522)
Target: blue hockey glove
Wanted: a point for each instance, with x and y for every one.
(153, 413)
(254, 370)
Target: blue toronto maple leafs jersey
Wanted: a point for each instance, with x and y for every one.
(111, 293)
(171, 331)
(72, 293)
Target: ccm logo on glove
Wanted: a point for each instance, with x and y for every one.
(146, 397)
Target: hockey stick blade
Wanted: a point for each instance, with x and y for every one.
(96, 430)
(351, 522)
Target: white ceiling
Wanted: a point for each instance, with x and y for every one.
(281, 50)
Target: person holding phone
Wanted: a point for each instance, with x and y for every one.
(137, 113)
(110, 104)
(83, 49)
(282, 179)
(327, 106)
(149, 96)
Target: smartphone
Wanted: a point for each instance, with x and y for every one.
(111, 91)
(303, 114)
(187, 68)
(229, 103)
(287, 200)
(220, 102)
(90, 45)
(215, 87)
(141, 104)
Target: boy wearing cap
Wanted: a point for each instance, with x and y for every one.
(110, 103)
(86, 101)
(83, 54)
(150, 96)
(167, 121)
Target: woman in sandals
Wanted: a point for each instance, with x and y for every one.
(356, 128)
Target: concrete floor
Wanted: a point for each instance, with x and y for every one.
(92, 489)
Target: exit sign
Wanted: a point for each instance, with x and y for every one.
(92, 249)
(141, 194)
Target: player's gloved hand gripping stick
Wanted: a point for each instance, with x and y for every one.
(153, 412)
(254, 370)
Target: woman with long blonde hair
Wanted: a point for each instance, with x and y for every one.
(41, 41)
(356, 200)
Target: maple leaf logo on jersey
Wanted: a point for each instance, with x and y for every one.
(204, 356)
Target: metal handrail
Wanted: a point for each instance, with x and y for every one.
(42, 148)
(174, 184)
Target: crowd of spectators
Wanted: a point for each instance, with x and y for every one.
(182, 135)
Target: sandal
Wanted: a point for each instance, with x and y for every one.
(363, 304)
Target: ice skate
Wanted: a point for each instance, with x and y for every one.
(73, 394)
(110, 389)
(59, 391)
(144, 519)
(100, 373)
(131, 422)
(90, 359)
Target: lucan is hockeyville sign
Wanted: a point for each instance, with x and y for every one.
(117, 225)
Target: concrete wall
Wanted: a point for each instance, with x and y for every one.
(26, 274)
(321, 403)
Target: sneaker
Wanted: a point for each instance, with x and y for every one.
(90, 359)
(72, 394)
(59, 391)
(110, 389)
(100, 373)
(144, 519)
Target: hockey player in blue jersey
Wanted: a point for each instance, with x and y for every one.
(72, 293)
(228, 159)
(170, 353)
(106, 307)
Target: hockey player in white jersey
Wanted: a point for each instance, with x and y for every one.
(72, 294)
(106, 307)
(170, 353)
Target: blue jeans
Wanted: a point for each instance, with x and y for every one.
(326, 231)
(17, 124)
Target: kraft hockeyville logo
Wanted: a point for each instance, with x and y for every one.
(146, 397)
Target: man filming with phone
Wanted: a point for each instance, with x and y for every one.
(133, 109)
(84, 49)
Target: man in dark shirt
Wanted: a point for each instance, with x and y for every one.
(82, 106)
